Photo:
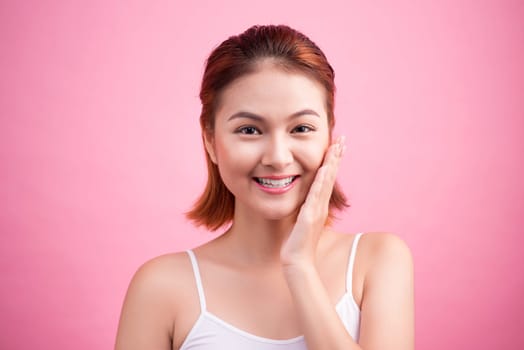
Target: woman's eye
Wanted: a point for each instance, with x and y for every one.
(248, 130)
(302, 129)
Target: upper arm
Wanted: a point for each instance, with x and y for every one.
(387, 316)
(146, 320)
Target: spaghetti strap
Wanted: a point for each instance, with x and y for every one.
(349, 276)
(198, 280)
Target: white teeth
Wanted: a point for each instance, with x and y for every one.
(274, 183)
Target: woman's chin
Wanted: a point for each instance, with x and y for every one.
(275, 211)
(279, 214)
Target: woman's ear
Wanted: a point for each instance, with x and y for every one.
(210, 146)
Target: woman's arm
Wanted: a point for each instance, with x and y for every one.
(146, 319)
(319, 320)
(387, 311)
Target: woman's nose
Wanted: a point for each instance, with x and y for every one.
(277, 153)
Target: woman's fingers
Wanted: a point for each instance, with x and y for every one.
(322, 187)
(331, 165)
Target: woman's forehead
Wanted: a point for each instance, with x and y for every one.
(273, 91)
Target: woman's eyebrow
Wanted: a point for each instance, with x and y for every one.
(253, 116)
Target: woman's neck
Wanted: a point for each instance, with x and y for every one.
(258, 240)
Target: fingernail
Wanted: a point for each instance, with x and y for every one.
(338, 148)
(340, 145)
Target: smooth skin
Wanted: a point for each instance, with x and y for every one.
(278, 271)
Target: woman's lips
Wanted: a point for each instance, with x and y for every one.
(276, 184)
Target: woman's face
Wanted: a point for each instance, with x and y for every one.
(271, 133)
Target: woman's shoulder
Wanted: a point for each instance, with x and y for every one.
(155, 296)
(385, 247)
(379, 257)
(163, 263)
(385, 256)
(164, 272)
(377, 253)
(162, 280)
(374, 244)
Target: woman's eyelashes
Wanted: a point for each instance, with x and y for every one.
(253, 130)
(303, 128)
(248, 130)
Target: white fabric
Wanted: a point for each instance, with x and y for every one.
(210, 332)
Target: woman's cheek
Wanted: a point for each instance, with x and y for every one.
(236, 156)
(313, 156)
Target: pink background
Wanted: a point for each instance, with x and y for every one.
(100, 152)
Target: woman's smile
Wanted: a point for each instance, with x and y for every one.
(276, 184)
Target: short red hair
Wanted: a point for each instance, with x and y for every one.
(236, 57)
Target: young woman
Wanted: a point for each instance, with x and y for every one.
(279, 277)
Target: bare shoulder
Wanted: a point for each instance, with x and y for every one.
(373, 241)
(155, 294)
(385, 248)
(374, 248)
(166, 270)
(385, 241)
(164, 279)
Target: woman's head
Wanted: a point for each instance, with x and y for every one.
(282, 48)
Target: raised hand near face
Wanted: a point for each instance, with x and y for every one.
(300, 247)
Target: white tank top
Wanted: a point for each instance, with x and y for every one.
(210, 332)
